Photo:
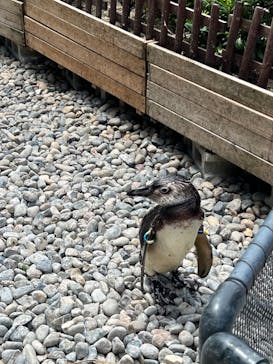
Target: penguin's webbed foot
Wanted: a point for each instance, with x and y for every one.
(166, 288)
(184, 281)
(162, 290)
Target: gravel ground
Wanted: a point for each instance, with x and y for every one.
(69, 270)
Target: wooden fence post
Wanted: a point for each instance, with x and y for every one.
(180, 22)
(251, 42)
(196, 22)
(232, 36)
(164, 22)
(212, 36)
(150, 19)
(268, 60)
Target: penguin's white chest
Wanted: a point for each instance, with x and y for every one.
(172, 243)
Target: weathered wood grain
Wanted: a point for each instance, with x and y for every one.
(221, 106)
(12, 6)
(91, 24)
(213, 142)
(14, 35)
(90, 41)
(224, 84)
(218, 124)
(12, 20)
(86, 56)
(87, 72)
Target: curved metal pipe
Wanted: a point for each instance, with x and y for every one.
(230, 297)
(225, 348)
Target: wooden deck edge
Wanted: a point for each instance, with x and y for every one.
(91, 41)
(15, 35)
(12, 6)
(208, 119)
(213, 142)
(92, 25)
(228, 86)
(221, 106)
(87, 72)
(86, 56)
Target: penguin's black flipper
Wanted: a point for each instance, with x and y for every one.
(204, 254)
(150, 222)
(147, 235)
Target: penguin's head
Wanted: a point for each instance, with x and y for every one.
(167, 191)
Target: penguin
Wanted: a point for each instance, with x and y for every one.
(170, 229)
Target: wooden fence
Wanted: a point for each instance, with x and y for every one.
(146, 56)
(226, 115)
(166, 22)
(103, 54)
(11, 21)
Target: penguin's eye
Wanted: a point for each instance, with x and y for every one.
(164, 189)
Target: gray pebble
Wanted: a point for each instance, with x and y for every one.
(82, 350)
(110, 307)
(133, 350)
(126, 359)
(98, 296)
(118, 331)
(52, 339)
(113, 232)
(6, 294)
(186, 338)
(6, 275)
(149, 351)
(42, 262)
(103, 346)
(117, 346)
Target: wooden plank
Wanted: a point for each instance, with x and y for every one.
(126, 8)
(221, 106)
(98, 8)
(180, 22)
(88, 73)
(138, 15)
(86, 56)
(12, 6)
(212, 35)
(88, 6)
(217, 124)
(217, 81)
(12, 20)
(212, 142)
(90, 41)
(14, 35)
(150, 19)
(268, 60)
(164, 22)
(232, 36)
(91, 24)
(113, 11)
(251, 42)
(195, 30)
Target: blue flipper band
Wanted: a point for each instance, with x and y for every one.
(145, 237)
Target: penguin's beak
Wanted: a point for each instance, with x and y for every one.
(146, 191)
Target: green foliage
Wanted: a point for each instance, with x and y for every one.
(226, 8)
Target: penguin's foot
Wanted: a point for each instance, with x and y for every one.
(184, 281)
(188, 287)
(162, 290)
(166, 288)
